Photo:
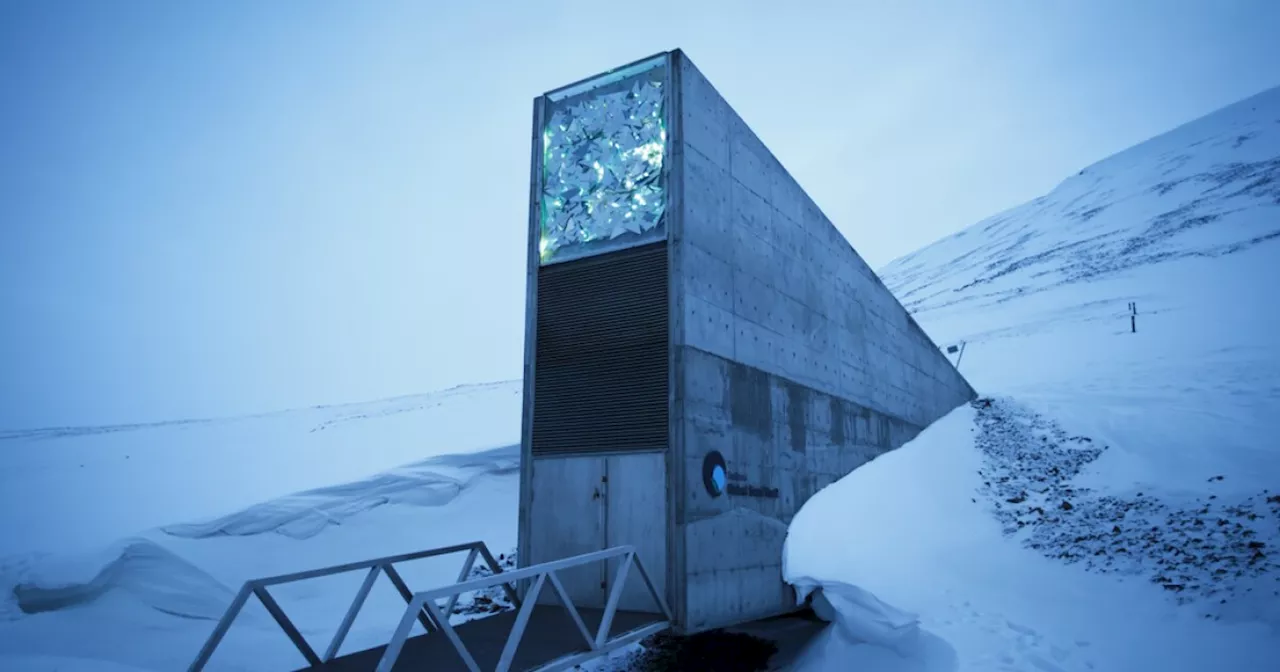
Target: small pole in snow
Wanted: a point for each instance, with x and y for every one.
(951, 349)
(1133, 317)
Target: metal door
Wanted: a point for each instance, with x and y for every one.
(568, 515)
(636, 515)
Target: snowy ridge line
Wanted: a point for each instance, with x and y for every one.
(422, 398)
(1197, 132)
(404, 404)
(410, 403)
(1171, 146)
(1221, 549)
(1206, 189)
(63, 432)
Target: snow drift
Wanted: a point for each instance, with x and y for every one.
(926, 541)
(306, 514)
(154, 576)
(149, 601)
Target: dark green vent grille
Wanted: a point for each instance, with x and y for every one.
(600, 368)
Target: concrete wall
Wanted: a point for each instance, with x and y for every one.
(792, 360)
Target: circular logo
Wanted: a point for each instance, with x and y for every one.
(714, 474)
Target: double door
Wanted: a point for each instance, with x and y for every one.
(582, 504)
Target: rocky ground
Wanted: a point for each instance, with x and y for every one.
(1217, 550)
(488, 601)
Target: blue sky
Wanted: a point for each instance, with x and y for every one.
(221, 208)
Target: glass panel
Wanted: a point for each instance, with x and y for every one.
(603, 152)
(615, 75)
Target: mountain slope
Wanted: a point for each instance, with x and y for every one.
(1116, 503)
(1205, 189)
(1186, 227)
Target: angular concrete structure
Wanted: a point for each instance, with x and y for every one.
(704, 350)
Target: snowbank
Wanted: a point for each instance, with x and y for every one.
(912, 529)
(150, 602)
(859, 616)
(153, 575)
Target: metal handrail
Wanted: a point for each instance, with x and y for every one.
(428, 617)
(598, 644)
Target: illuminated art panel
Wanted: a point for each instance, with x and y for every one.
(603, 152)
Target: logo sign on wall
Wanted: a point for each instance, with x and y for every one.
(718, 480)
(714, 473)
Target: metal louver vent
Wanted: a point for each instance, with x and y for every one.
(600, 367)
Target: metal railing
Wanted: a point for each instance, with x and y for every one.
(541, 574)
(423, 607)
(385, 565)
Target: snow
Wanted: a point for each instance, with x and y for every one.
(177, 588)
(133, 478)
(1104, 511)
(1116, 505)
(75, 604)
(937, 551)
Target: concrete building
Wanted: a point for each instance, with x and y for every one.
(704, 350)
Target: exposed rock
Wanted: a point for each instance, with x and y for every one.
(1210, 549)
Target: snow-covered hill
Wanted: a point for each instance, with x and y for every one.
(1204, 190)
(1116, 505)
